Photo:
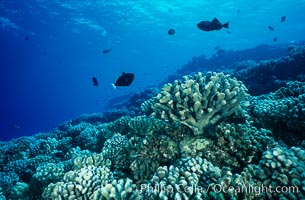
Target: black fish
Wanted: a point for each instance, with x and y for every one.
(27, 38)
(212, 25)
(271, 28)
(217, 47)
(124, 80)
(171, 31)
(229, 32)
(220, 51)
(107, 50)
(95, 81)
(274, 39)
(283, 18)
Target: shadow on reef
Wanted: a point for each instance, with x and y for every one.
(203, 131)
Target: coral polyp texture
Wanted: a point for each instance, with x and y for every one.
(199, 100)
(283, 110)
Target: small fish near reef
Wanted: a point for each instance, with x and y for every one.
(270, 28)
(106, 51)
(95, 81)
(212, 25)
(274, 39)
(124, 80)
(283, 18)
(171, 31)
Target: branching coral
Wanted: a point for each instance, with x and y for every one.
(78, 184)
(199, 101)
(117, 150)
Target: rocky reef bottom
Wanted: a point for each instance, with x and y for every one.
(256, 152)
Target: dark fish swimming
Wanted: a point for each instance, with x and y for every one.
(107, 50)
(95, 81)
(220, 51)
(27, 38)
(217, 47)
(274, 39)
(283, 18)
(212, 25)
(171, 31)
(229, 32)
(124, 80)
(270, 28)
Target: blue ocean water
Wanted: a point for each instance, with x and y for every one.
(50, 50)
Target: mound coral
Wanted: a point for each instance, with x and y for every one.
(283, 110)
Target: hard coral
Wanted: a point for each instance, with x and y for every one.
(199, 101)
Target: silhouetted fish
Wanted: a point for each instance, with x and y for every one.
(171, 31)
(15, 126)
(238, 11)
(274, 39)
(271, 28)
(229, 32)
(212, 25)
(95, 81)
(217, 47)
(107, 50)
(124, 80)
(27, 38)
(220, 51)
(283, 18)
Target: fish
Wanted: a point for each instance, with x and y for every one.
(217, 47)
(238, 11)
(229, 32)
(27, 38)
(271, 28)
(15, 126)
(95, 81)
(274, 39)
(220, 51)
(212, 25)
(124, 80)
(106, 51)
(283, 18)
(171, 31)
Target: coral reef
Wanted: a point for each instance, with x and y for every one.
(199, 101)
(236, 145)
(117, 189)
(199, 139)
(228, 59)
(281, 111)
(130, 104)
(81, 183)
(268, 76)
(281, 167)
